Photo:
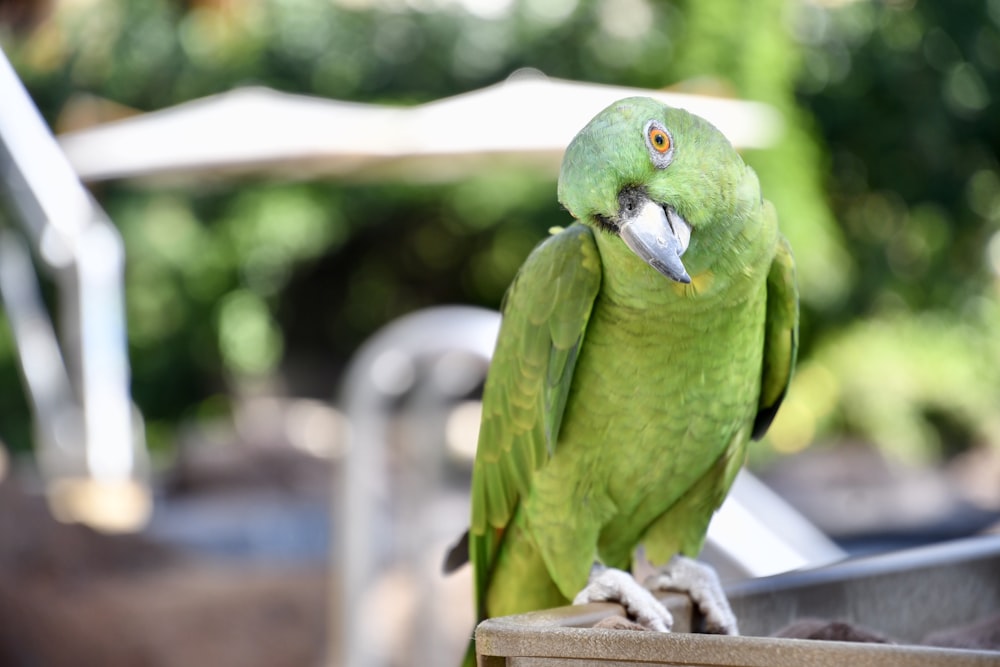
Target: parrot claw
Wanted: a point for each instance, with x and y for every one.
(611, 585)
(701, 583)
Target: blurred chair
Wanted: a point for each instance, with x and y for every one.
(89, 436)
(392, 501)
(397, 507)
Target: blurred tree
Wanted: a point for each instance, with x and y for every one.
(247, 281)
(21, 16)
(905, 98)
(905, 94)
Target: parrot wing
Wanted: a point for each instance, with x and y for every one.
(545, 314)
(781, 337)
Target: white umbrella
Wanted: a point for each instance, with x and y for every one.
(528, 119)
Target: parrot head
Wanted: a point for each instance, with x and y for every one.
(659, 178)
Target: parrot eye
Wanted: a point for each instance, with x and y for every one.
(660, 144)
(659, 139)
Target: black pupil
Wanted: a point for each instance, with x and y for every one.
(658, 140)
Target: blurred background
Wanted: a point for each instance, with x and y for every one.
(248, 295)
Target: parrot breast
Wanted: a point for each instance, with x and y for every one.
(663, 386)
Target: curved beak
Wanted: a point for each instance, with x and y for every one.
(659, 236)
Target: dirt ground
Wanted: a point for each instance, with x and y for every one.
(70, 596)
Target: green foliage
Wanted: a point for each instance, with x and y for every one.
(904, 94)
(921, 385)
(905, 99)
(886, 182)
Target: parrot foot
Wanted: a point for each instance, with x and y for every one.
(611, 585)
(701, 583)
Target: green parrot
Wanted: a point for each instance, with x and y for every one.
(641, 348)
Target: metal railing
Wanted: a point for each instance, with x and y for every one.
(88, 435)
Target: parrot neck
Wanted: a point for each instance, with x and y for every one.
(631, 282)
(628, 280)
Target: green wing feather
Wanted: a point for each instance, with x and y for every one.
(781, 337)
(545, 314)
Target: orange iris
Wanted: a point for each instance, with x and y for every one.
(659, 139)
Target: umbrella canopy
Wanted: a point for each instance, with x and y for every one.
(528, 119)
